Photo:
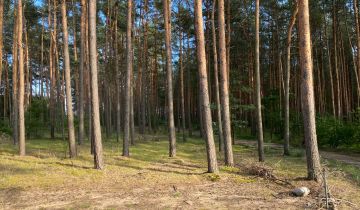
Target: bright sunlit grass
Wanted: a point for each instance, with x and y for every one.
(47, 167)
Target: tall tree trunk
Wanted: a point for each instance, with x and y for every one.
(228, 38)
(118, 79)
(51, 72)
(27, 72)
(107, 60)
(145, 65)
(287, 82)
(216, 78)
(355, 69)
(336, 65)
(15, 111)
(132, 121)
(69, 101)
(357, 26)
(58, 103)
(81, 70)
(42, 59)
(224, 86)
(171, 123)
(188, 87)
(182, 93)
(76, 71)
(98, 156)
(1, 36)
(260, 134)
(87, 79)
(128, 81)
(204, 94)
(331, 81)
(307, 93)
(154, 87)
(74, 19)
(21, 81)
(6, 93)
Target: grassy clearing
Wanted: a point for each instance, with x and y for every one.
(149, 178)
(351, 172)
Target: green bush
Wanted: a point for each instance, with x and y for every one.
(334, 133)
(5, 127)
(36, 118)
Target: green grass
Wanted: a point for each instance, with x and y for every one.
(351, 171)
(47, 164)
(47, 168)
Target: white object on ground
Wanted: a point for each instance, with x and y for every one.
(301, 192)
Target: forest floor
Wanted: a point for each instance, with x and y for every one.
(149, 179)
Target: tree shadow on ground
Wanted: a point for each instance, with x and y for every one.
(166, 169)
(45, 163)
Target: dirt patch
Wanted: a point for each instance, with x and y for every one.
(198, 195)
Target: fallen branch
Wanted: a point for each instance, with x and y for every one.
(266, 173)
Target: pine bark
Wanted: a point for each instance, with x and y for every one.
(52, 71)
(331, 81)
(41, 91)
(27, 71)
(145, 70)
(216, 78)
(128, 82)
(1, 36)
(15, 111)
(188, 84)
(287, 82)
(7, 91)
(21, 95)
(171, 123)
(98, 156)
(228, 38)
(307, 93)
(182, 91)
(118, 79)
(224, 87)
(357, 26)
(81, 70)
(132, 121)
(260, 134)
(69, 100)
(204, 92)
(336, 62)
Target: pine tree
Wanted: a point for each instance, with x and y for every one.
(224, 87)
(69, 99)
(128, 82)
(171, 123)
(98, 153)
(204, 92)
(307, 93)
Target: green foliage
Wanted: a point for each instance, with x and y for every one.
(334, 133)
(36, 117)
(272, 112)
(5, 127)
(296, 123)
(246, 107)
